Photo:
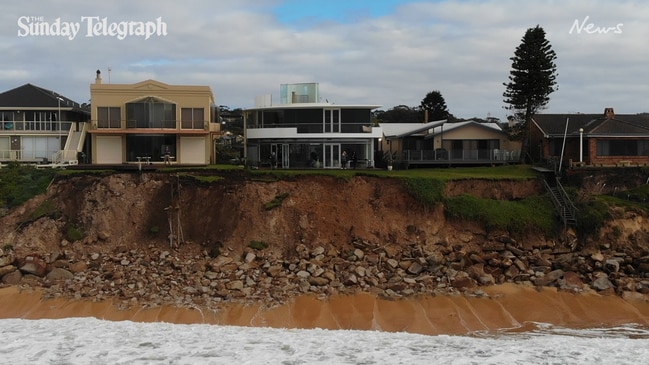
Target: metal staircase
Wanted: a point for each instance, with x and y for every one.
(565, 208)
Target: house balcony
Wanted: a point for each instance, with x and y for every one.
(35, 127)
(459, 156)
(27, 155)
(298, 133)
(155, 127)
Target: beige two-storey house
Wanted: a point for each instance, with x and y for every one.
(152, 121)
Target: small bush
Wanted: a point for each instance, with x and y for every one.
(639, 194)
(214, 249)
(74, 233)
(617, 232)
(276, 202)
(258, 245)
(591, 217)
(428, 191)
(47, 208)
(207, 179)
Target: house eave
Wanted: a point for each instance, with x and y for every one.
(416, 131)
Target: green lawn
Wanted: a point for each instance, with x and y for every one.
(512, 172)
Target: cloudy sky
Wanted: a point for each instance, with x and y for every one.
(385, 52)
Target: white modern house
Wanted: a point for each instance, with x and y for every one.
(302, 131)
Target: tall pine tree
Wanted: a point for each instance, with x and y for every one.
(531, 81)
(435, 104)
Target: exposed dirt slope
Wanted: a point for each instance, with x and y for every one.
(133, 210)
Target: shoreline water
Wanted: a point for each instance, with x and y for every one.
(504, 307)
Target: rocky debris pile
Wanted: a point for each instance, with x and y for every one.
(154, 276)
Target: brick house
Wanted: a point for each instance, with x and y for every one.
(606, 139)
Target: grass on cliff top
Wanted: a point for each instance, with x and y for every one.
(512, 172)
(533, 214)
(637, 197)
(20, 183)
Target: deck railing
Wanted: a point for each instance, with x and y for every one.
(442, 155)
(35, 126)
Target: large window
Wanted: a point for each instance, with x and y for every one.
(316, 120)
(620, 147)
(331, 120)
(353, 120)
(192, 118)
(151, 113)
(108, 117)
(152, 146)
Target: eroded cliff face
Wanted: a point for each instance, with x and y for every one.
(137, 210)
(155, 239)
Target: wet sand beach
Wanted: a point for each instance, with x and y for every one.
(506, 306)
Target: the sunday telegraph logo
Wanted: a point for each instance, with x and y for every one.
(90, 26)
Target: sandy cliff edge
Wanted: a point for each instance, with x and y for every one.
(507, 306)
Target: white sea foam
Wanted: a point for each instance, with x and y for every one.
(93, 341)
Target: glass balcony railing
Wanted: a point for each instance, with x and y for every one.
(35, 126)
(163, 124)
(477, 155)
(151, 124)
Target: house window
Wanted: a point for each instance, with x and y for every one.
(643, 148)
(38, 121)
(620, 147)
(331, 120)
(556, 147)
(151, 113)
(353, 120)
(6, 121)
(6, 116)
(305, 120)
(192, 118)
(274, 119)
(108, 117)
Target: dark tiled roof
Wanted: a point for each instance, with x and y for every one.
(617, 126)
(31, 96)
(555, 124)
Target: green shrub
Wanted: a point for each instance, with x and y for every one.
(214, 249)
(74, 233)
(20, 183)
(591, 217)
(428, 191)
(534, 214)
(258, 245)
(617, 232)
(207, 179)
(276, 202)
(47, 208)
(639, 194)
